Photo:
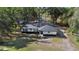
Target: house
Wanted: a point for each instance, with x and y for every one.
(40, 27)
(29, 28)
(48, 30)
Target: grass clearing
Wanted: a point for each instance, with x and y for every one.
(56, 40)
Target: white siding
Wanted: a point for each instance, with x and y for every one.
(53, 33)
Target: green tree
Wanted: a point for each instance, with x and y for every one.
(55, 12)
(74, 21)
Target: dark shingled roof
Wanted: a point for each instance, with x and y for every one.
(48, 28)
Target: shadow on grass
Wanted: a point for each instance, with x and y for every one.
(20, 42)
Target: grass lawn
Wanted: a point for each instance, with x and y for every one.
(5, 48)
(56, 40)
(39, 47)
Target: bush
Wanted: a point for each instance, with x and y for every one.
(20, 43)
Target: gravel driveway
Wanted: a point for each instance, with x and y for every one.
(67, 45)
